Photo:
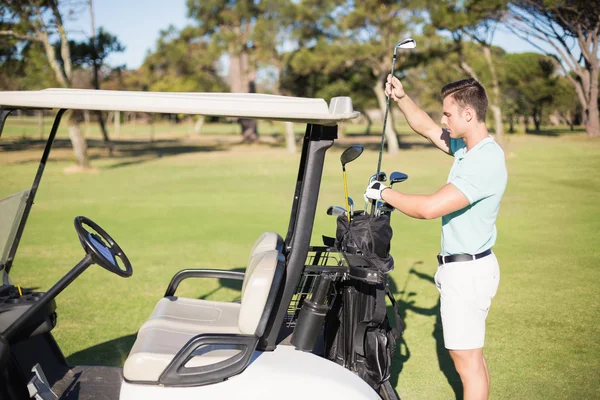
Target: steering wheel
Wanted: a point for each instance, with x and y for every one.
(101, 247)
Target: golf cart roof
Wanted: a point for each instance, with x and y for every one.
(243, 105)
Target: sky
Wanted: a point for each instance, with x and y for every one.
(136, 23)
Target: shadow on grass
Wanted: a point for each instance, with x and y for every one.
(233, 284)
(555, 132)
(130, 151)
(405, 303)
(111, 353)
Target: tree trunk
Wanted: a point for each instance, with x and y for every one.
(496, 110)
(369, 123)
(537, 120)
(78, 141)
(235, 69)
(511, 124)
(117, 122)
(40, 116)
(290, 138)
(390, 136)
(592, 125)
(107, 142)
(198, 125)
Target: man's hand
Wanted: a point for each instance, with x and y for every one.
(374, 190)
(393, 88)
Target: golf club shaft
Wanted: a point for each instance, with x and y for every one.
(385, 117)
(346, 192)
(387, 108)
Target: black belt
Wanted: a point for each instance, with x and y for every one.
(462, 257)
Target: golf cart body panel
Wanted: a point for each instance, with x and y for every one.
(282, 373)
(258, 364)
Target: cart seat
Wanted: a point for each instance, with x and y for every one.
(183, 311)
(160, 339)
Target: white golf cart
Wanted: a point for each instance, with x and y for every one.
(188, 348)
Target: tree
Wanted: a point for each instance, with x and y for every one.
(562, 102)
(533, 79)
(571, 29)
(180, 63)
(239, 28)
(92, 54)
(39, 21)
(356, 36)
(477, 20)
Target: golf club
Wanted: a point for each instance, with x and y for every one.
(379, 177)
(403, 44)
(336, 211)
(395, 177)
(350, 154)
(351, 203)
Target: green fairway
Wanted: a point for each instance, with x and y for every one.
(201, 203)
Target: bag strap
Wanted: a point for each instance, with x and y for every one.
(377, 319)
(400, 326)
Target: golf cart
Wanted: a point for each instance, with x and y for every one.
(265, 346)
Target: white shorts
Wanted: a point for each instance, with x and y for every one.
(466, 292)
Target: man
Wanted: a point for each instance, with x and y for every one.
(468, 272)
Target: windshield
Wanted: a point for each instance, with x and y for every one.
(11, 212)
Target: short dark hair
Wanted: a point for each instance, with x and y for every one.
(468, 92)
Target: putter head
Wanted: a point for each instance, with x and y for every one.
(409, 43)
(396, 177)
(336, 211)
(351, 154)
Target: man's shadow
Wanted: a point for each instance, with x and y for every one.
(445, 362)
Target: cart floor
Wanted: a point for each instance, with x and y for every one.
(90, 382)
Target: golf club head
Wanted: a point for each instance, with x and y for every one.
(396, 177)
(380, 177)
(351, 154)
(336, 211)
(409, 43)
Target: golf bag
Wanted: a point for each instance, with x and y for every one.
(358, 332)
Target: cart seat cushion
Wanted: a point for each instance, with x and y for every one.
(160, 339)
(194, 314)
(155, 347)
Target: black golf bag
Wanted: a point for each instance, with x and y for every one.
(358, 331)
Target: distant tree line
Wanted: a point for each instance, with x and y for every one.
(331, 48)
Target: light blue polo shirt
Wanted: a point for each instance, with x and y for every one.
(480, 174)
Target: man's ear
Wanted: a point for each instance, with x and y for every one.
(469, 114)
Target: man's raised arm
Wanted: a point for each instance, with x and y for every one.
(417, 119)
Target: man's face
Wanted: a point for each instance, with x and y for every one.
(453, 119)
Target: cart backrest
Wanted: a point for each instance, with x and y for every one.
(263, 280)
(11, 213)
(267, 241)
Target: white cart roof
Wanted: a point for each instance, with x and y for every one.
(246, 105)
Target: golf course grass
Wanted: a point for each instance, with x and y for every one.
(200, 202)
